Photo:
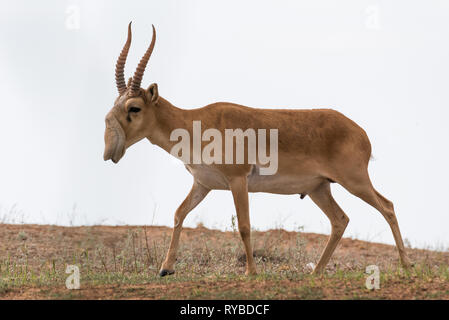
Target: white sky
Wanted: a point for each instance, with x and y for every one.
(384, 64)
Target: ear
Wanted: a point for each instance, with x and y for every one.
(152, 93)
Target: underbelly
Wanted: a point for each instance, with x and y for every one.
(283, 184)
(277, 183)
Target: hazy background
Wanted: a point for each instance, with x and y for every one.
(384, 64)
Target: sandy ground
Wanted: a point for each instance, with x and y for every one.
(206, 258)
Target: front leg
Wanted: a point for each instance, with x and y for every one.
(239, 189)
(196, 195)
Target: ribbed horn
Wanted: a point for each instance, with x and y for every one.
(120, 66)
(137, 78)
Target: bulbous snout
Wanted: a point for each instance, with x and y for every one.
(114, 139)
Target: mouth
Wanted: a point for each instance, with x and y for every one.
(115, 154)
(118, 155)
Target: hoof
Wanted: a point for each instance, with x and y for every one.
(408, 265)
(250, 272)
(165, 272)
(317, 272)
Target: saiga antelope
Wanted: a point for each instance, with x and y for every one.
(316, 147)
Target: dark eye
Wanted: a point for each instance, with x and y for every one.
(134, 109)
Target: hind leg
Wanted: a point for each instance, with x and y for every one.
(361, 187)
(323, 198)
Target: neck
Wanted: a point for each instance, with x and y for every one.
(167, 118)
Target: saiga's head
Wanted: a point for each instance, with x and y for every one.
(133, 112)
